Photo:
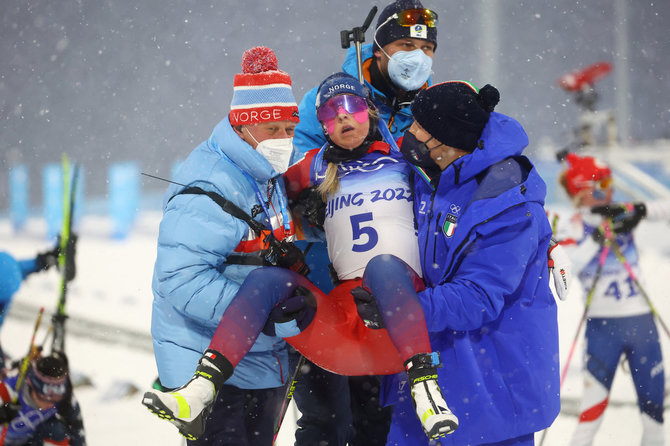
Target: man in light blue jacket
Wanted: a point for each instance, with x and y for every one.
(204, 253)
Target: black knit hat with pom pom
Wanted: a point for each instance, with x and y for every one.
(455, 112)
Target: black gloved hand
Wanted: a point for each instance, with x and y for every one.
(9, 411)
(46, 260)
(614, 210)
(367, 308)
(311, 207)
(286, 255)
(49, 258)
(625, 217)
(301, 306)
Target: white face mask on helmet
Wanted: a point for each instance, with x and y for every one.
(277, 151)
(408, 70)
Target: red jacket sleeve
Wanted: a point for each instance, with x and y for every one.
(297, 177)
(7, 394)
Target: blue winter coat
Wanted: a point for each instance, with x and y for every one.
(192, 285)
(12, 273)
(483, 239)
(309, 134)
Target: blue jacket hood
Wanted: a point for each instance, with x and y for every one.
(503, 137)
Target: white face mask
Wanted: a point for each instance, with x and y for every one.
(409, 70)
(277, 152)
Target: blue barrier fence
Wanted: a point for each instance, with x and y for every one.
(19, 189)
(52, 191)
(125, 196)
(121, 203)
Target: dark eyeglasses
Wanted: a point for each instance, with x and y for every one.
(411, 17)
(353, 105)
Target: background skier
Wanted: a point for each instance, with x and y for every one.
(619, 319)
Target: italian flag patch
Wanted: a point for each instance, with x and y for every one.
(449, 225)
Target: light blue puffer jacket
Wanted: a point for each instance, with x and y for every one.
(192, 285)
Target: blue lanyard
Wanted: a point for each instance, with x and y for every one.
(259, 196)
(318, 160)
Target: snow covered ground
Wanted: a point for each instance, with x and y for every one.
(108, 333)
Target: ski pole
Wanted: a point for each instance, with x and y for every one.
(46, 337)
(65, 264)
(25, 363)
(288, 397)
(633, 277)
(554, 223)
(589, 299)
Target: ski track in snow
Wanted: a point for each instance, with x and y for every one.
(113, 289)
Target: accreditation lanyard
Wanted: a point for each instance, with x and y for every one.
(280, 196)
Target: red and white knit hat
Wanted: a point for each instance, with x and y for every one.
(262, 92)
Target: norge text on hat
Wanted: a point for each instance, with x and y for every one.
(262, 92)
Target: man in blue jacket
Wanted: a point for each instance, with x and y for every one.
(205, 253)
(396, 66)
(483, 240)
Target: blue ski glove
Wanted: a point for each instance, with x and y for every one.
(367, 308)
(291, 316)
